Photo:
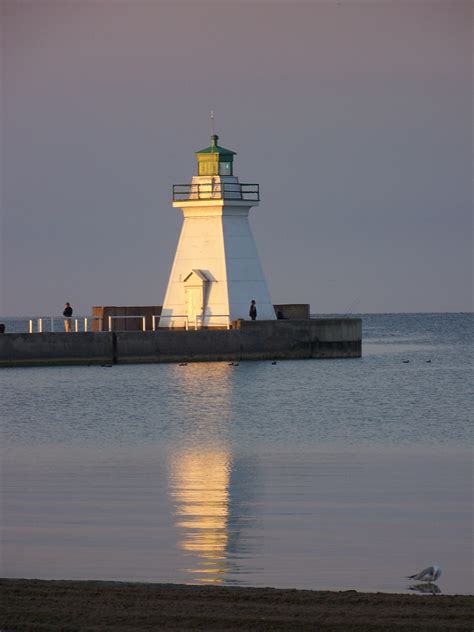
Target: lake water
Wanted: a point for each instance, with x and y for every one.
(321, 474)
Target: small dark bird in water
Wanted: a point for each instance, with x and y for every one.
(236, 364)
(428, 361)
(183, 364)
(406, 361)
(230, 364)
(274, 363)
(106, 366)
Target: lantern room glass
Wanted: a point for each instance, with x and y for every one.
(225, 168)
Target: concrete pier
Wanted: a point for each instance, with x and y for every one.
(55, 348)
(247, 340)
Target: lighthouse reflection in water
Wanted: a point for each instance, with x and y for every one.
(200, 490)
(211, 505)
(213, 490)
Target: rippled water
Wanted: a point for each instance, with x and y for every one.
(317, 474)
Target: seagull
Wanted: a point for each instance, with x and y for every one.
(430, 574)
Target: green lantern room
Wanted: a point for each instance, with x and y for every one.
(215, 160)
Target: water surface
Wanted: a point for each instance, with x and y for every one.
(308, 474)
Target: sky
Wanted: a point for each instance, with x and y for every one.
(355, 117)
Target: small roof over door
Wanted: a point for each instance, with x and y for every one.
(196, 276)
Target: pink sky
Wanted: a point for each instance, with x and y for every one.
(354, 117)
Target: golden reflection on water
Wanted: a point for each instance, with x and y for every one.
(200, 490)
(200, 475)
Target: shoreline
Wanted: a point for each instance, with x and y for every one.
(53, 605)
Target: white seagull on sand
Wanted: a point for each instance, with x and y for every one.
(430, 574)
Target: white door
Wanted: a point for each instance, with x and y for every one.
(193, 303)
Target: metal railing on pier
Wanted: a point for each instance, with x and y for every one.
(110, 320)
(216, 191)
(51, 324)
(185, 318)
(44, 324)
(202, 319)
(40, 324)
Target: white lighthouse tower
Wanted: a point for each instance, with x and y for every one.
(216, 271)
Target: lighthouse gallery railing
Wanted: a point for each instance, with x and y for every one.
(216, 191)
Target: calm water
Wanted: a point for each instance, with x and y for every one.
(331, 474)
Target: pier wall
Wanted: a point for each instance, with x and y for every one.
(318, 338)
(292, 311)
(166, 345)
(247, 340)
(56, 348)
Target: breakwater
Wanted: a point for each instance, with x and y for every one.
(247, 340)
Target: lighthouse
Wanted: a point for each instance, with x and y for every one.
(216, 271)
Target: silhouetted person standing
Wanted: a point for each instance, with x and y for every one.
(253, 310)
(67, 317)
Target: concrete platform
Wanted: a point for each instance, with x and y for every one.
(248, 340)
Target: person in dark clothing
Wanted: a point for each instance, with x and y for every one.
(67, 317)
(253, 310)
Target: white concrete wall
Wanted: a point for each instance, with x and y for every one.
(216, 238)
(245, 278)
(201, 247)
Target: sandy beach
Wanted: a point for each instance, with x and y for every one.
(50, 606)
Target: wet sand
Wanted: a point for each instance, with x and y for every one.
(50, 606)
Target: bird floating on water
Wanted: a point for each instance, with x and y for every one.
(430, 574)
